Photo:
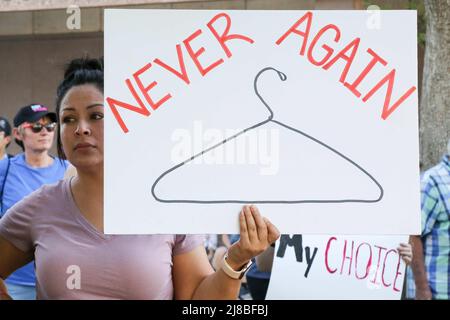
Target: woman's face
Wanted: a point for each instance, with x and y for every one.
(81, 118)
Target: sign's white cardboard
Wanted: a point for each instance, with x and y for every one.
(311, 115)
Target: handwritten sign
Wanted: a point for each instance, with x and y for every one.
(312, 115)
(337, 267)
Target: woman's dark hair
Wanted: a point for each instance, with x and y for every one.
(78, 72)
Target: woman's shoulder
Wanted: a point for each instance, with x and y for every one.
(35, 210)
(51, 190)
(47, 196)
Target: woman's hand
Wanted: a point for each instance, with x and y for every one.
(257, 233)
(405, 251)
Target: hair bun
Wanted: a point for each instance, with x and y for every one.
(84, 63)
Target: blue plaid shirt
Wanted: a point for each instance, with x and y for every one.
(435, 230)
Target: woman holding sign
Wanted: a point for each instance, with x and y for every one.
(60, 226)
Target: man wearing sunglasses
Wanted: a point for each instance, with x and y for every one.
(34, 129)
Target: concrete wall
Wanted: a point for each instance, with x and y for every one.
(31, 68)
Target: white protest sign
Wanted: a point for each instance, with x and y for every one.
(337, 267)
(311, 115)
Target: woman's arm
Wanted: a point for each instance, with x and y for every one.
(194, 277)
(11, 259)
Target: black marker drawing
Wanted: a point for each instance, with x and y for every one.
(257, 201)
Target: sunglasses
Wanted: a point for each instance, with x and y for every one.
(37, 127)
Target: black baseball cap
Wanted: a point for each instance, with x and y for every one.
(5, 126)
(33, 113)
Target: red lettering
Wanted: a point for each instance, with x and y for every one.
(345, 257)
(369, 262)
(325, 47)
(303, 34)
(374, 280)
(364, 73)
(196, 54)
(397, 273)
(326, 255)
(145, 90)
(183, 74)
(387, 285)
(179, 70)
(302, 29)
(225, 36)
(353, 46)
(113, 104)
(389, 78)
(365, 263)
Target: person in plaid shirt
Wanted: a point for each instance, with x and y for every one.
(431, 250)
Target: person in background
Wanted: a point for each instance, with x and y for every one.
(33, 131)
(430, 276)
(5, 137)
(5, 140)
(210, 243)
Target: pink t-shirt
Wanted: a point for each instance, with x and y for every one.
(75, 261)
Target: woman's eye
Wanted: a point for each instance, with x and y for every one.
(68, 119)
(97, 116)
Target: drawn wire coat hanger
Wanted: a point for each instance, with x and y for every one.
(255, 201)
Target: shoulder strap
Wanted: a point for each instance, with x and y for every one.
(3, 186)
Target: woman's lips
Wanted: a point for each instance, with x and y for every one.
(83, 146)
